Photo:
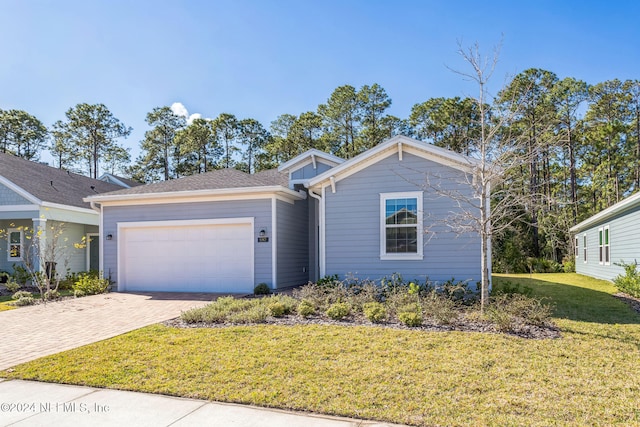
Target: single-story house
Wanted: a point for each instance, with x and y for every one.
(35, 196)
(608, 238)
(316, 215)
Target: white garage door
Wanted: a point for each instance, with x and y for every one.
(186, 256)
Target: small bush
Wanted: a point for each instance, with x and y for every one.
(20, 274)
(508, 311)
(410, 318)
(375, 312)
(328, 280)
(338, 310)
(629, 282)
(262, 289)
(440, 308)
(456, 291)
(89, 284)
(306, 309)
(508, 288)
(51, 295)
(11, 285)
(22, 298)
(278, 309)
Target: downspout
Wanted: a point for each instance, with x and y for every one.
(94, 207)
(321, 267)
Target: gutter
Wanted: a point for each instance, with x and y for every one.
(321, 244)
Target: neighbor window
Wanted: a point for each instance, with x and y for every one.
(576, 249)
(401, 225)
(584, 247)
(15, 244)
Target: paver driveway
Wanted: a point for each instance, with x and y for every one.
(32, 332)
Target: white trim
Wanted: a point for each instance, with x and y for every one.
(112, 179)
(177, 223)
(19, 190)
(274, 244)
(313, 160)
(400, 151)
(601, 246)
(14, 208)
(323, 234)
(332, 180)
(68, 208)
(419, 255)
(244, 193)
(307, 157)
(577, 246)
(584, 249)
(101, 241)
(15, 230)
(88, 251)
(607, 245)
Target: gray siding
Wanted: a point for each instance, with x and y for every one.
(260, 210)
(292, 243)
(352, 218)
(308, 171)
(624, 245)
(10, 197)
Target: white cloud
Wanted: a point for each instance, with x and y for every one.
(192, 117)
(179, 109)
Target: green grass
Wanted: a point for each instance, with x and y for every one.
(590, 376)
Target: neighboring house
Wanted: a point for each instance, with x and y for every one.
(317, 215)
(608, 238)
(34, 196)
(118, 180)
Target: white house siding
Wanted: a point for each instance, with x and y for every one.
(624, 238)
(292, 243)
(353, 224)
(260, 210)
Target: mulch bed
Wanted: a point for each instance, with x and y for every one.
(522, 331)
(633, 302)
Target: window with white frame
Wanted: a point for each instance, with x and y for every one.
(401, 225)
(576, 249)
(600, 245)
(584, 247)
(607, 251)
(15, 244)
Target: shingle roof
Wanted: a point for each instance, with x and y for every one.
(215, 180)
(50, 184)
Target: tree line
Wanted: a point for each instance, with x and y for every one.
(582, 145)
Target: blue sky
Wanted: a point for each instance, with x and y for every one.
(260, 59)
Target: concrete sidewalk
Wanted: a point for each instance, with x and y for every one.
(30, 403)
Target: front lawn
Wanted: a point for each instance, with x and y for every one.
(589, 376)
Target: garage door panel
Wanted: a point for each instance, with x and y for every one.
(198, 258)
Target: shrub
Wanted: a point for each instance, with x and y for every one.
(410, 318)
(328, 280)
(21, 274)
(306, 309)
(51, 294)
(262, 289)
(375, 312)
(456, 291)
(440, 308)
(11, 285)
(508, 311)
(90, 284)
(569, 265)
(629, 282)
(22, 298)
(338, 310)
(278, 309)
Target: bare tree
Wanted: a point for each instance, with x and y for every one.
(487, 201)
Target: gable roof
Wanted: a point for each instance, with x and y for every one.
(118, 180)
(221, 181)
(397, 144)
(629, 203)
(40, 183)
(307, 157)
